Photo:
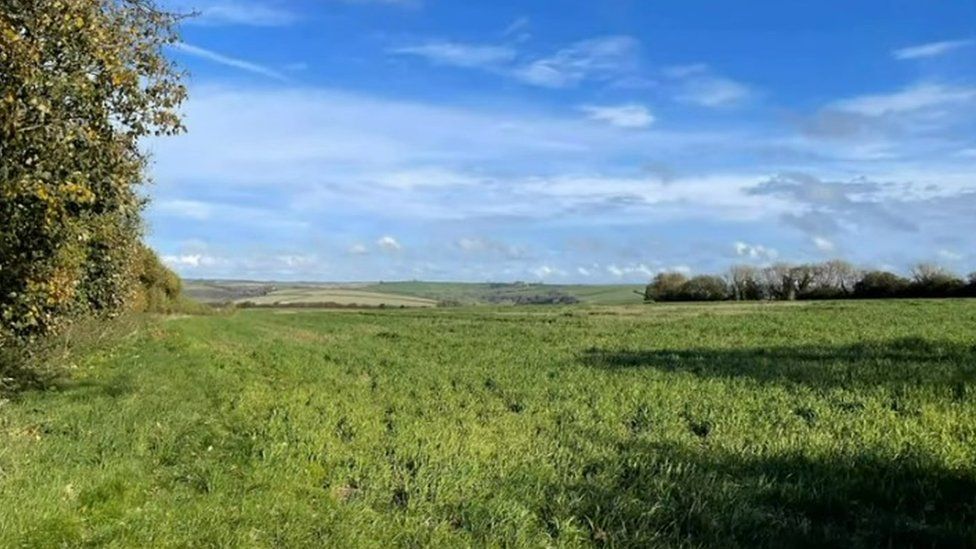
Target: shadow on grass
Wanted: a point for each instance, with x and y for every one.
(898, 362)
(651, 495)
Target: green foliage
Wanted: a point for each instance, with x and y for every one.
(81, 81)
(159, 289)
(665, 287)
(678, 287)
(705, 288)
(841, 424)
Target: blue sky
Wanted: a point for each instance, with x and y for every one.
(575, 141)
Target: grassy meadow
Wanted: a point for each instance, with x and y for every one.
(827, 423)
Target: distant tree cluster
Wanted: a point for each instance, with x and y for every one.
(830, 280)
(81, 83)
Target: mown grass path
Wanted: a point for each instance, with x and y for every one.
(781, 425)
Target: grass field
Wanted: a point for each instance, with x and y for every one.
(844, 424)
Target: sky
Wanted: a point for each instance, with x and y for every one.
(566, 142)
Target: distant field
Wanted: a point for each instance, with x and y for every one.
(338, 296)
(844, 424)
(475, 293)
(409, 294)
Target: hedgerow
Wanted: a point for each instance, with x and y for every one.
(81, 82)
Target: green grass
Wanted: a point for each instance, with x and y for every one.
(844, 424)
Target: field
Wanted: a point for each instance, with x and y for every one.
(829, 423)
(406, 294)
(475, 293)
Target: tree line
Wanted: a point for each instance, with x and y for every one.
(829, 280)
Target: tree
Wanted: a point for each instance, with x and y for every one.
(704, 288)
(831, 280)
(929, 280)
(665, 287)
(81, 82)
(784, 281)
(745, 283)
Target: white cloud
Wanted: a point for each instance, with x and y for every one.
(191, 209)
(584, 271)
(358, 249)
(914, 98)
(189, 260)
(545, 271)
(629, 115)
(931, 49)
(388, 244)
(228, 61)
(755, 251)
(460, 55)
(823, 244)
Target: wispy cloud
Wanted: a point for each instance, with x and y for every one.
(631, 115)
(932, 49)
(228, 61)
(914, 98)
(601, 58)
(517, 29)
(460, 55)
(598, 58)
